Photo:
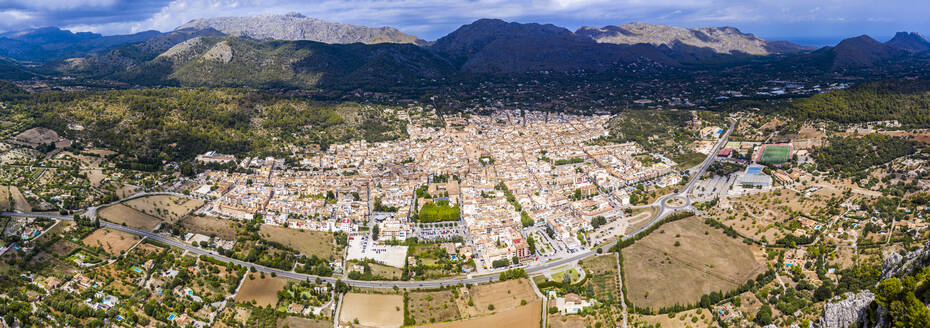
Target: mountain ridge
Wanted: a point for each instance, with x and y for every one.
(295, 26)
(725, 39)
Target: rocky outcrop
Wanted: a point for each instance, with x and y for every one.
(725, 40)
(220, 52)
(294, 26)
(848, 310)
(909, 41)
(896, 264)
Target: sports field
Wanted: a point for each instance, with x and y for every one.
(775, 154)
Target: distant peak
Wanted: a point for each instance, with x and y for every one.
(295, 15)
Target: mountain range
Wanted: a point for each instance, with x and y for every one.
(296, 51)
(294, 26)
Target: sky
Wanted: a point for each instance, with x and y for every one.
(809, 22)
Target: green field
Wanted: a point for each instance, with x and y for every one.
(775, 154)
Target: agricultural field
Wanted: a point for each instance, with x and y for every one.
(433, 306)
(602, 277)
(170, 208)
(697, 318)
(293, 322)
(260, 289)
(373, 310)
(526, 316)
(19, 200)
(122, 214)
(306, 242)
(5, 199)
(699, 258)
(503, 296)
(113, 242)
(209, 226)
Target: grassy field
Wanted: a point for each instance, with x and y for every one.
(429, 307)
(210, 226)
(705, 261)
(373, 310)
(526, 316)
(167, 207)
(122, 214)
(775, 154)
(309, 243)
(689, 160)
(264, 291)
(113, 242)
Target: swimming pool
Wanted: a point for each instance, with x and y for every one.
(754, 170)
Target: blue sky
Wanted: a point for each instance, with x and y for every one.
(805, 21)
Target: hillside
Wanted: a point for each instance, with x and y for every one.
(232, 61)
(492, 45)
(913, 42)
(52, 43)
(903, 100)
(149, 125)
(294, 26)
(728, 40)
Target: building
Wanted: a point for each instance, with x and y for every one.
(753, 176)
(213, 157)
(571, 303)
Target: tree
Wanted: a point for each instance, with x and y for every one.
(374, 232)
(764, 316)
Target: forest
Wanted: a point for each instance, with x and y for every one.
(903, 100)
(851, 155)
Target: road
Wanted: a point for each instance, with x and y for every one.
(662, 203)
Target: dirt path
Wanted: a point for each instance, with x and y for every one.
(620, 287)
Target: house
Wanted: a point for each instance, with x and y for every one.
(571, 303)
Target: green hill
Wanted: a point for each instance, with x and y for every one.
(904, 100)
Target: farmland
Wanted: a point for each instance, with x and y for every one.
(122, 214)
(435, 306)
(699, 258)
(263, 290)
(209, 226)
(308, 243)
(602, 277)
(526, 316)
(170, 208)
(375, 310)
(113, 242)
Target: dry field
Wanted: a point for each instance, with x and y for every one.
(566, 321)
(526, 316)
(373, 310)
(262, 291)
(170, 208)
(428, 307)
(309, 243)
(295, 322)
(706, 261)
(39, 136)
(122, 214)
(210, 226)
(113, 241)
(19, 201)
(682, 319)
(755, 215)
(4, 198)
(503, 295)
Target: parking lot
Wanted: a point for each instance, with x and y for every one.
(363, 248)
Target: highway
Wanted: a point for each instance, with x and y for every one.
(662, 203)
